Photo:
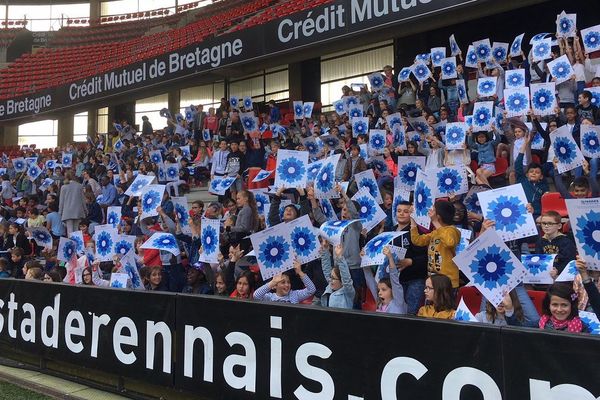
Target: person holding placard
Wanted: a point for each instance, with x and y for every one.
(559, 309)
(388, 293)
(533, 181)
(282, 288)
(553, 241)
(590, 286)
(486, 158)
(339, 292)
(509, 312)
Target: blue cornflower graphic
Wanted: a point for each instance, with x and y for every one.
(542, 99)
(561, 70)
(436, 57)
(78, 242)
(165, 241)
(423, 200)
(273, 251)
(483, 51)
(122, 247)
(379, 165)
(565, 25)
(173, 172)
(462, 315)
(516, 46)
(408, 173)
(214, 185)
(537, 263)
(291, 170)
(376, 81)
(339, 107)
(162, 175)
(117, 285)
(113, 219)
(137, 186)
(538, 140)
(565, 150)
(182, 214)
(491, 268)
(395, 120)
(455, 135)
(247, 102)
(313, 170)
(376, 245)
(366, 208)
(356, 112)
(261, 200)
(398, 135)
(327, 209)
(351, 101)
(404, 74)
(487, 87)
(420, 126)
(34, 171)
(448, 68)
(421, 71)
(449, 181)
(307, 109)
(592, 40)
(19, 165)
(360, 127)
(472, 57)
(472, 203)
(325, 181)
(298, 110)
(209, 239)
(515, 80)
(234, 102)
(66, 161)
(588, 233)
(312, 147)
(592, 326)
(304, 241)
(500, 54)
(371, 187)
(42, 236)
(156, 158)
(508, 213)
(461, 91)
(331, 228)
(151, 200)
(331, 141)
(249, 124)
(590, 142)
(377, 141)
(517, 102)
(482, 117)
(104, 243)
(541, 50)
(423, 57)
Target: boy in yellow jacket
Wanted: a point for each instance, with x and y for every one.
(442, 241)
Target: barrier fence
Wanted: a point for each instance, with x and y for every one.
(225, 349)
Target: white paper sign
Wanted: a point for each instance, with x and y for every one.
(584, 216)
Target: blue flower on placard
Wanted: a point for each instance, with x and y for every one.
(472, 203)
(327, 209)
(113, 218)
(312, 147)
(376, 245)
(118, 146)
(339, 106)
(482, 117)
(209, 239)
(303, 241)
(483, 51)
(592, 40)
(423, 57)
(156, 158)
(420, 126)
(421, 72)
(500, 54)
(561, 70)
(517, 102)
(137, 186)
(355, 112)
(104, 243)
(79, 246)
(325, 181)
(19, 165)
(441, 129)
(298, 110)
(408, 173)
(449, 68)
(366, 208)
(538, 140)
(291, 170)
(371, 187)
(491, 267)
(249, 124)
(122, 247)
(360, 127)
(515, 80)
(234, 101)
(449, 181)
(182, 214)
(273, 252)
(565, 25)
(151, 200)
(224, 184)
(379, 165)
(117, 285)
(508, 213)
(307, 109)
(376, 81)
(462, 92)
(516, 46)
(214, 185)
(331, 141)
(595, 98)
(542, 99)
(588, 232)
(351, 101)
(42, 236)
(592, 326)
(423, 199)
(377, 141)
(437, 56)
(487, 87)
(248, 103)
(472, 57)
(590, 142)
(404, 74)
(455, 135)
(398, 133)
(261, 201)
(541, 50)
(313, 170)
(539, 36)
(34, 171)
(66, 161)
(172, 172)
(536, 264)
(565, 150)
(165, 241)
(462, 315)
(332, 228)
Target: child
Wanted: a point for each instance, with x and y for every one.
(589, 285)
(8, 191)
(3, 268)
(508, 312)
(486, 158)
(339, 292)
(15, 265)
(442, 241)
(559, 309)
(220, 285)
(34, 219)
(533, 181)
(438, 297)
(282, 286)
(554, 242)
(388, 292)
(244, 286)
(435, 152)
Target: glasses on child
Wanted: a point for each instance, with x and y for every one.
(550, 223)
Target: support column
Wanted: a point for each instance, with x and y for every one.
(94, 9)
(92, 121)
(174, 101)
(65, 129)
(10, 135)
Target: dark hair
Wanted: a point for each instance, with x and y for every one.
(404, 203)
(53, 207)
(17, 251)
(570, 107)
(565, 291)
(587, 94)
(250, 278)
(445, 210)
(552, 214)
(54, 275)
(492, 313)
(534, 165)
(442, 292)
(581, 181)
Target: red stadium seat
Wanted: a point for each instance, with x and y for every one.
(537, 296)
(554, 201)
(472, 298)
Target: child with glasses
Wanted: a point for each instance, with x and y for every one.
(553, 241)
